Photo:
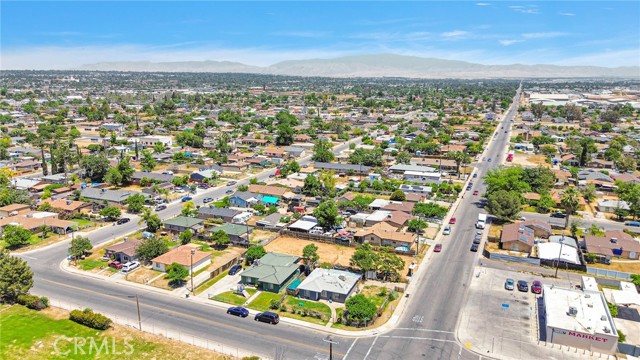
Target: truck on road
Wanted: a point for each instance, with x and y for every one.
(482, 220)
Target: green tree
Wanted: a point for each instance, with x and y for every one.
(507, 179)
(79, 246)
(312, 186)
(94, 167)
(389, 265)
(147, 162)
(327, 214)
(113, 177)
(220, 238)
(159, 147)
(630, 193)
(403, 157)
(188, 208)
(398, 195)
(416, 225)
(176, 273)
(627, 163)
(545, 203)
(16, 278)
(151, 248)
(185, 237)
(125, 169)
(322, 151)
(589, 193)
(285, 135)
(153, 221)
(16, 236)
(364, 258)
(135, 203)
(429, 210)
(254, 252)
(360, 308)
(540, 179)
(569, 200)
(310, 254)
(503, 204)
(290, 167)
(538, 110)
(111, 212)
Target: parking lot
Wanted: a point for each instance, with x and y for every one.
(503, 323)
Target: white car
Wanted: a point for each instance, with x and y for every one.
(132, 265)
(447, 230)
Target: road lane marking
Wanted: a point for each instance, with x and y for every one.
(349, 349)
(427, 330)
(252, 333)
(370, 348)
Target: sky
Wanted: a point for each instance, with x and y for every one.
(65, 35)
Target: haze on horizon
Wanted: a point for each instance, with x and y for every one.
(67, 35)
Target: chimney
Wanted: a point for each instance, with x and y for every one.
(69, 202)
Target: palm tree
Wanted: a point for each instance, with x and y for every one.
(570, 201)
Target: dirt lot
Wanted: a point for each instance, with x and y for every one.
(624, 266)
(334, 254)
(529, 160)
(260, 235)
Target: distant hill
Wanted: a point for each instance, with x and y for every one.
(381, 65)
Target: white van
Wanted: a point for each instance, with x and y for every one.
(130, 266)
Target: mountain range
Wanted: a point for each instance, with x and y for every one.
(379, 65)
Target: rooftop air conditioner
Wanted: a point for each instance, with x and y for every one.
(607, 330)
(573, 311)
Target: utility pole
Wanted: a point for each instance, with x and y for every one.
(559, 255)
(138, 306)
(193, 291)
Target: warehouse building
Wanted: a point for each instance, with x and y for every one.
(579, 319)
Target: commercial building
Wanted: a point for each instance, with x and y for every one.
(579, 319)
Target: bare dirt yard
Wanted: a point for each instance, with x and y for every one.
(331, 253)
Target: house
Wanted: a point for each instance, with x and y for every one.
(328, 284)
(55, 179)
(398, 219)
(112, 197)
(295, 151)
(151, 141)
(272, 272)
(591, 174)
(225, 214)
(422, 177)
(238, 234)
(203, 175)
(416, 189)
(378, 235)
(244, 199)
(517, 237)
(303, 225)
(237, 167)
(600, 164)
(614, 243)
(403, 168)
(24, 183)
(184, 223)
(124, 251)
(267, 190)
(34, 222)
(277, 153)
(27, 165)
(137, 177)
(414, 197)
(610, 206)
(13, 209)
(406, 206)
(343, 168)
(113, 127)
(185, 255)
(272, 221)
(69, 208)
(541, 229)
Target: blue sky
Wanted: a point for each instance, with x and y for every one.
(61, 35)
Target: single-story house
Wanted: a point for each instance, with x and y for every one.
(614, 243)
(13, 209)
(238, 234)
(379, 235)
(541, 229)
(405, 206)
(137, 177)
(68, 208)
(124, 251)
(184, 223)
(398, 219)
(517, 237)
(267, 190)
(244, 199)
(272, 272)
(416, 189)
(225, 214)
(303, 225)
(55, 179)
(201, 176)
(295, 151)
(112, 197)
(35, 221)
(343, 168)
(328, 284)
(610, 206)
(271, 220)
(184, 255)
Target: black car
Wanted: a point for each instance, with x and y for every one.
(523, 286)
(477, 240)
(558, 215)
(123, 221)
(238, 311)
(268, 317)
(474, 247)
(234, 269)
(161, 207)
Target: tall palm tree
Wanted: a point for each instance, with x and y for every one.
(569, 201)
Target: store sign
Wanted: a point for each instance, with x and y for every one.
(579, 335)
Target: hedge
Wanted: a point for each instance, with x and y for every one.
(91, 319)
(33, 302)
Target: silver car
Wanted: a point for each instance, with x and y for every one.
(509, 284)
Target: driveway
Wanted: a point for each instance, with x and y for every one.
(227, 283)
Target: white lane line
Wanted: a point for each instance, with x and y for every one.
(416, 338)
(370, 348)
(349, 350)
(29, 257)
(427, 330)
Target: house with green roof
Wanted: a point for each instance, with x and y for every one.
(238, 234)
(272, 272)
(184, 223)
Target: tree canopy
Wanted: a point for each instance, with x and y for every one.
(16, 278)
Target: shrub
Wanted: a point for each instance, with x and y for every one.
(275, 304)
(621, 336)
(33, 302)
(283, 308)
(253, 357)
(90, 319)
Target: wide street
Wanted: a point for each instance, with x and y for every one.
(426, 328)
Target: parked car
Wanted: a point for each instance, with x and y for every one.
(633, 223)
(438, 248)
(475, 175)
(123, 221)
(115, 264)
(207, 200)
(474, 247)
(558, 214)
(187, 198)
(475, 192)
(452, 221)
(468, 187)
(536, 287)
(267, 316)
(130, 266)
(447, 230)
(231, 183)
(477, 240)
(238, 311)
(229, 192)
(523, 286)
(161, 207)
(235, 268)
(509, 284)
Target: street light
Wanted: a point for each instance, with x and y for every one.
(138, 305)
(331, 342)
(193, 252)
(559, 255)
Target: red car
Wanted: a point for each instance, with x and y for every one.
(475, 192)
(536, 287)
(438, 248)
(115, 264)
(452, 221)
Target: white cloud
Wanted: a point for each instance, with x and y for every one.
(544, 35)
(455, 34)
(566, 14)
(525, 9)
(483, 4)
(509, 42)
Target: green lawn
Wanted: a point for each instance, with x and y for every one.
(263, 301)
(230, 297)
(90, 264)
(293, 302)
(207, 284)
(83, 222)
